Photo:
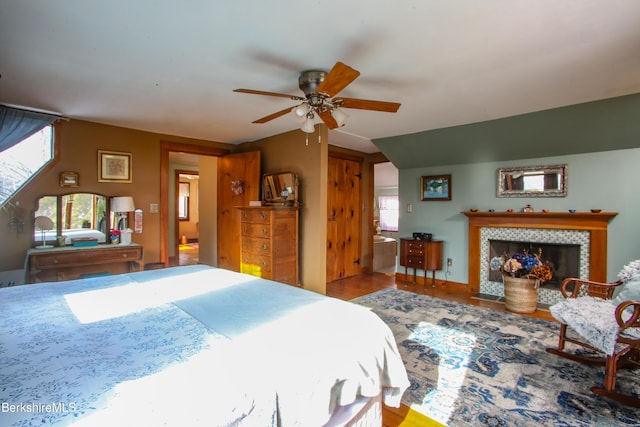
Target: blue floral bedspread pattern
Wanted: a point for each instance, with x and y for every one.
(188, 346)
(55, 369)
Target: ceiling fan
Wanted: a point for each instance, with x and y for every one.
(318, 87)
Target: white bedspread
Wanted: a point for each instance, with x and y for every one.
(187, 346)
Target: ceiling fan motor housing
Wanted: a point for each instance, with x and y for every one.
(310, 80)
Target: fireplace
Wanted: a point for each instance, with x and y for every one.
(586, 230)
(576, 243)
(562, 258)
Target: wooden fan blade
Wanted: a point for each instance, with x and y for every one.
(273, 116)
(338, 78)
(261, 92)
(328, 119)
(365, 104)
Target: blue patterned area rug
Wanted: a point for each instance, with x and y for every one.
(471, 366)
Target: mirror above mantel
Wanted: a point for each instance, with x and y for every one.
(533, 181)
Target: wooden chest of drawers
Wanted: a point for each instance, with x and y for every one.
(421, 254)
(269, 243)
(68, 263)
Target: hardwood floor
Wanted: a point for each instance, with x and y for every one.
(353, 287)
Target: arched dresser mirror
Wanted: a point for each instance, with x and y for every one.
(75, 215)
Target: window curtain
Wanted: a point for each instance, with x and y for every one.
(17, 124)
(389, 211)
(183, 189)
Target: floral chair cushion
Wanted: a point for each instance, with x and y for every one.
(593, 319)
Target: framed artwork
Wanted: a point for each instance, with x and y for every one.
(69, 179)
(114, 166)
(436, 187)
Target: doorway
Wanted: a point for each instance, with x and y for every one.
(187, 217)
(386, 211)
(173, 154)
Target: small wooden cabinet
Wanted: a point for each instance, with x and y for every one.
(68, 263)
(269, 243)
(421, 254)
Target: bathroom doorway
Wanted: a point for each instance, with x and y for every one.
(385, 218)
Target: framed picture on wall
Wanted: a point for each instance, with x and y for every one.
(114, 166)
(69, 179)
(435, 187)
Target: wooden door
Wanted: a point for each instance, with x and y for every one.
(343, 218)
(238, 183)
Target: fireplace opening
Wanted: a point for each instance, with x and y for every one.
(563, 259)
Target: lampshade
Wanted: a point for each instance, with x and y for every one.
(301, 110)
(122, 204)
(340, 116)
(308, 125)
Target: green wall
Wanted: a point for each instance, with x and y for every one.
(605, 180)
(610, 124)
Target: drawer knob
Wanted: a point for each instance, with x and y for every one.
(265, 231)
(124, 255)
(263, 215)
(245, 228)
(265, 247)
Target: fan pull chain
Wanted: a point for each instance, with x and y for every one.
(319, 138)
(307, 138)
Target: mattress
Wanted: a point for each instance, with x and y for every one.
(192, 345)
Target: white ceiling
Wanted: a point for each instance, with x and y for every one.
(170, 67)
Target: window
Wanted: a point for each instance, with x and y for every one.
(183, 201)
(389, 212)
(21, 162)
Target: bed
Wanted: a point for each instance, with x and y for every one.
(192, 345)
(69, 233)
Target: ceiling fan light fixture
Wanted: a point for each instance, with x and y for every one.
(340, 116)
(301, 110)
(308, 126)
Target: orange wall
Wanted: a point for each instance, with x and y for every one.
(78, 142)
(288, 152)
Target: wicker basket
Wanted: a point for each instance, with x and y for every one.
(520, 294)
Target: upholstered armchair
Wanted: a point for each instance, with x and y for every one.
(589, 317)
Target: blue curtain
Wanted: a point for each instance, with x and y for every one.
(17, 124)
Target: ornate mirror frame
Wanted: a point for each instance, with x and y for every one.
(544, 181)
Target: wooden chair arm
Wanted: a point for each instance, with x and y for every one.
(631, 322)
(583, 287)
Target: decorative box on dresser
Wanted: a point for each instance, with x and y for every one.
(421, 254)
(269, 243)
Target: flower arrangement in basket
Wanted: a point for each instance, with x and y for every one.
(522, 265)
